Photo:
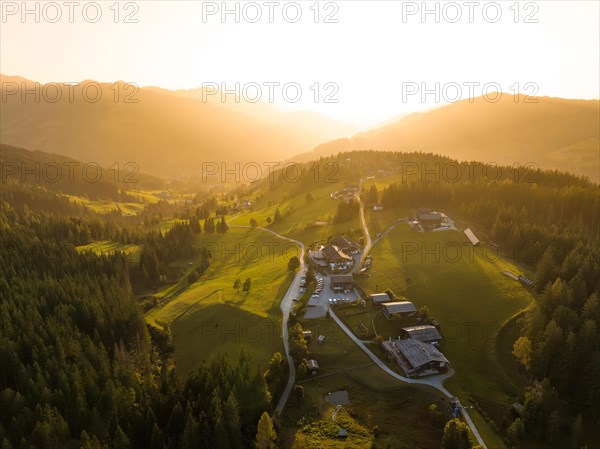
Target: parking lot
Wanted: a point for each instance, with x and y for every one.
(324, 296)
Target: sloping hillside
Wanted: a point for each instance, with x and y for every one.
(164, 133)
(552, 133)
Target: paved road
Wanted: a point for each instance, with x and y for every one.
(432, 381)
(436, 381)
(368, 242)
(287, 304)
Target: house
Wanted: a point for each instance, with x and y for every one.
(398, 309)
(246, 204)
(347, 193)
(377, 207)
(471, 236)
(342, 282)
(345, 245)
(415, 357)
(342, 433)
(429, 219)
(313, 366)
(336, 259)
(425, 333)
(317, 258)
(379, 298)
(307, 335)
(321, 339)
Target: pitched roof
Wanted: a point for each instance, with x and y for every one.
(342, 242)
(425, 333)
(429, 216)
(399, 307)
(331, 252)
(418, 353)
(380, 297)
(342, 279)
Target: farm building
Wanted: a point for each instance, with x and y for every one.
(377, 207)
(525, 281)
(342, 282)
(317, 258)
(335, 258)
(321, 339)
(345, 245)
(312, 365)
(471, 236)
(398, 309)
(379, 298)
(425, 333)
(429, 219)
(415, 357)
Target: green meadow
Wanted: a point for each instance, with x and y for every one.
(210, 317)
(464, 289)
(107, 206)
(306, 221)
(107, 247)
(382, 408)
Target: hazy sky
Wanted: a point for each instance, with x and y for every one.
(375, 59)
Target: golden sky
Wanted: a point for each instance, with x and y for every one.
(369, 56)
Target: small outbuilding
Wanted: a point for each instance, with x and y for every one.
(471, 236)
(313, 366)
(425, 333)
(398, 309)
(379, 298)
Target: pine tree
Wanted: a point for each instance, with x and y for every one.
(456, 435)
(247, 286)
(265, 437)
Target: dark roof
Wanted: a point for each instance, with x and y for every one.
(331, 252)
(429, 216)
(342, 242)
(418, 353)
(426, 333)
(399, 307)
(380, 297)
(342, 279)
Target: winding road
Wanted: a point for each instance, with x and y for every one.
(436, 381)
(287, 304)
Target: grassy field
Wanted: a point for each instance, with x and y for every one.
(468, 295)
(109, 247)
(464, 289)
(306, 221)
(209, 316)
(106, 206)
(382, 408)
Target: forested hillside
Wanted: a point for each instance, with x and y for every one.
(549, 221)
(78, 365)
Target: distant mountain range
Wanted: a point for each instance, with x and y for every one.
(551, 133)
(171, 133)
(166, 133)
(62, 174)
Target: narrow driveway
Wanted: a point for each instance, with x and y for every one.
(286, 307)
(432, 381)
(437, 381)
